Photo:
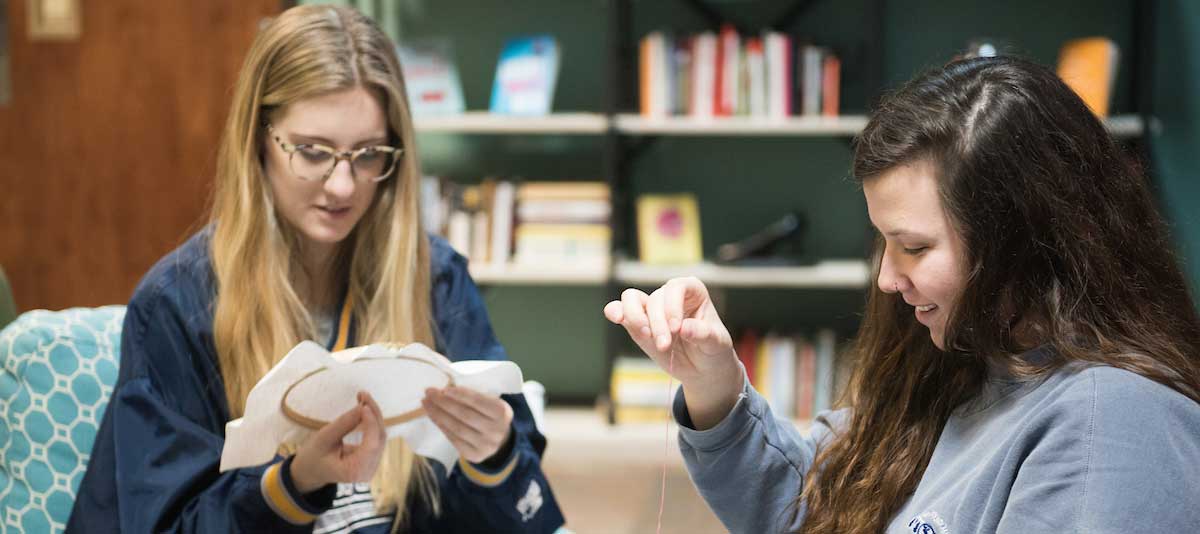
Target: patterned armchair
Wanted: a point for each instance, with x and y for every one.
(57, 370)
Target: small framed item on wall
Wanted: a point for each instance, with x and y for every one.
(54, 19)
(5, 69)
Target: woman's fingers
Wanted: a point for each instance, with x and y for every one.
(633, 303)
(655, 312)
(673, 304)
(332, 433)
(451, 417)
(614, 312)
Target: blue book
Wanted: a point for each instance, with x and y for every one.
(525, 76)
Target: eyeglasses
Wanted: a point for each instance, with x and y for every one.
(313, 162)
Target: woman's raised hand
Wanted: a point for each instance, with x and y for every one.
(677, 325)
(324, 459)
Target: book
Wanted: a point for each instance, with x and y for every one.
(810, 58)
(779, 74)
(638, 390)
(703, 75)
(728, 71)
(503, 201)
(563, 191)
(746, 347)
(576, 245)
(825, 347)
(563, 211)
(831, 81)
(756, 74)
(805, 378)
(525, 76)
(668, 229)
(430, 77)
(1089, 67)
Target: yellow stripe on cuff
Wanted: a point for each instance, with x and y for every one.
(280, 500)
(485, 479)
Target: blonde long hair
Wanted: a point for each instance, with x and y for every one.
(305, 52)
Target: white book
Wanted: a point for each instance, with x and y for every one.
(757, 70)
(432, 215)
(458, 232)
(783, 376)
(823, 387)
(704, 74)
(811, 90)
(779, 75)
(655, 72)
(502, 222)
(479, 237)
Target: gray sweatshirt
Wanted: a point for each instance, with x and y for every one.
(1089, 450)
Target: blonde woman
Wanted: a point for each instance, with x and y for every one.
(315, 234)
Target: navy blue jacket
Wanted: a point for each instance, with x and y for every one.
(154, 467)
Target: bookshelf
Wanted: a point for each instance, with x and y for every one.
(884, 43)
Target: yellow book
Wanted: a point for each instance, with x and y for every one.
(668, 229)
(641, 414)
(762, 367)
(563, 191)
(1089, 66)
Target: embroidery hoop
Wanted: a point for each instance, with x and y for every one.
(313, 423)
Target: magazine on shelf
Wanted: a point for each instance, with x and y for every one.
(526, 76)
(431, 77)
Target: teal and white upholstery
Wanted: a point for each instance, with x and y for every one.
(58, 370)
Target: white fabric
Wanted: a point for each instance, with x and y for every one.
(385, 371)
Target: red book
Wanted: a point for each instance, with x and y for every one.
(728, 56)
(806, 372)
(747, 348)
(831, 81)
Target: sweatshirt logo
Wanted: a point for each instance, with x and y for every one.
(531, 502)
(928, 523)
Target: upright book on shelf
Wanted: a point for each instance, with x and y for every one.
(1089, 66)
(668, 229)
(431, 77)
(526, 76)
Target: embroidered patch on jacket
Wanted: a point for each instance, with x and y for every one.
(531, 502)
(929, 523)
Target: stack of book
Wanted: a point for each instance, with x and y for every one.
(563, 224)
(500, 222)
(639, 390)
(475, 219)
(723, 75)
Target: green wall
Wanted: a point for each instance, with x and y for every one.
(557, 334)
(1174, 146)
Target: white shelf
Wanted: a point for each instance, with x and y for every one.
(513, 274)
(836, 274)
(484, 122)
(597, 123)
(845, 125)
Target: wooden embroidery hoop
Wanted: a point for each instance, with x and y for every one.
(315, 424)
